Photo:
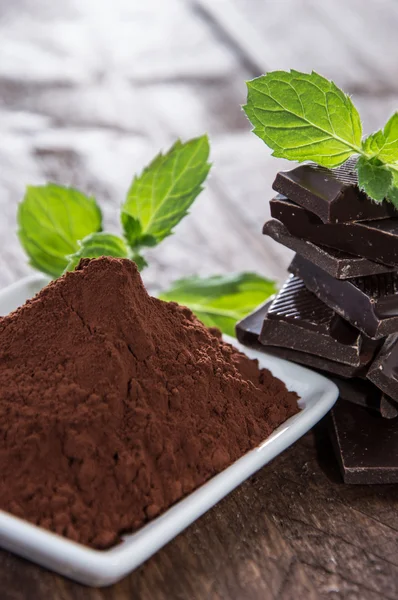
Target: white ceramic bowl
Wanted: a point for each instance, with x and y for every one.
(100, 568)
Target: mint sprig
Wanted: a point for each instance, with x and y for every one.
(54, 221)
(160, 197)
(305, 117)
(58, 226)
(51, 221)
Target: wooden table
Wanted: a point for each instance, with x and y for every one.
(89, 91)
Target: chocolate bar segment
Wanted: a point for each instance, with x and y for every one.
(248, 331)
(331, 194)
(388, 407)
(338, 264)
(366, 446)
(384, 370)
(364, 393)
(356, 390)
(375, 240)
(369, 303)
(296, 319)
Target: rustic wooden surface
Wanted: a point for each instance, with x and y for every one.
(89, 91)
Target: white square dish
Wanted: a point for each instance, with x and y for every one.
(101, 568)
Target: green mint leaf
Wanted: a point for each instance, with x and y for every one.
(133, 232)
(221, 301)
(373, 143)
(392, 194)
(374, 178)
(383, 145)
(379, 172)
(51, 221)
(139, 260)
(160, 197)
(96, 245)
(304, 117)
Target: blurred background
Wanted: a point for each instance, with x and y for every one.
(90, 90)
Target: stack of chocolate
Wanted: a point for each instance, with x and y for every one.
(338, 310)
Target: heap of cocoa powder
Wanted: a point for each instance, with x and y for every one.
(114, 405)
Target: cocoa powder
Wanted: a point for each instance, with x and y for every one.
(114, 405)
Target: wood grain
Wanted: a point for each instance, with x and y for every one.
(89, 91)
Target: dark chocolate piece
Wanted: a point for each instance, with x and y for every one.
(332, 194)
(248, 331)
(338, 264)
(366, 394)
(383, 371)
(376, 240)
(296, 319)
(358, 391)
(388, 407)
(354, 390)
(366, 445)
(369, 303)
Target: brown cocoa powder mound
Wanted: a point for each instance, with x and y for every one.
(114, 405)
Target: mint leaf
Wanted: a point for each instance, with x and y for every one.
(304, 117)
(51, 221)
(392, 195)
(374, 178)
(221, 301)
(96, 245)
(384, 144)
(381, 148)
(373, 143)
(160, 197)
(133, 232)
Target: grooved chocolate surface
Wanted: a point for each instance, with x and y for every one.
(298, 320)
(378, 287)
(338, 264)
(375, 240)
(365, 444)
(369, 303)
(332, 194)
(356, 389)
(295, 302)
(249, 329)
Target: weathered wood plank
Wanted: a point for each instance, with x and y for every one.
(350, 42)
(94, 132)
(93, 123)
(332, 586)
